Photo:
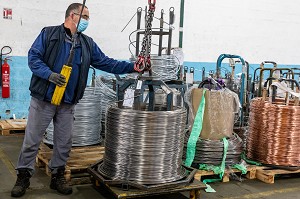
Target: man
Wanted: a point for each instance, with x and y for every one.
(49, 52)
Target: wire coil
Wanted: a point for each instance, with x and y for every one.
(108, 97)
(164, 67)
(210, 152)
(144, 146)
(242, 132)
(274, 133)
(87, 124)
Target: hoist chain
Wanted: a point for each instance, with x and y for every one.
(143, 61)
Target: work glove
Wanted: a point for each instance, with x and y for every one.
(57, 79)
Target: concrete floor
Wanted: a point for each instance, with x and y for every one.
(287, 188)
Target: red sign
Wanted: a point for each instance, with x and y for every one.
(7, 13)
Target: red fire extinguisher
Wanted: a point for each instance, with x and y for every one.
(5, 79)
(5, 72)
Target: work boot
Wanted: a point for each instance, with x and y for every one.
(22, 183)
(59, 183)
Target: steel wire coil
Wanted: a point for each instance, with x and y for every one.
(274, 133)
(242, 132)
(87, 124)
(144, 146)
(164, 67)
(108, 97)
(210, 152)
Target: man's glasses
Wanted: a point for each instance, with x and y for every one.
(86, 17)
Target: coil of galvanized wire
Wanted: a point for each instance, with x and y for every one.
(164, 67)
(274, 133)
(144, 146)
(211, 152)
(87, 124)
(108, 97)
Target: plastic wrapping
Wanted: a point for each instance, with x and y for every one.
(210, 152)
(219, 115)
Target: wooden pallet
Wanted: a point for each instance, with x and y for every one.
(267, 174)
(251, 173)
(13, 127)
(80, 159)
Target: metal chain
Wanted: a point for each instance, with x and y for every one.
(151, 15)
(143, 61)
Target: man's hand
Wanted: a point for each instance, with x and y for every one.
(57, 79)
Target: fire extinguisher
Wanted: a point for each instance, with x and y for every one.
(5, 79)
(5, 72)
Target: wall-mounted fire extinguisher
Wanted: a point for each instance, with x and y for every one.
(5, 72)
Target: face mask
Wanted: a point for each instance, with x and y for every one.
(82, 25)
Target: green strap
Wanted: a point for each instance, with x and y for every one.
(215, 169)
(209, 189)
(225, 141)
(196, 130)
(250, 161)
(240, 167)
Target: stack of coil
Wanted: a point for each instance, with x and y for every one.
(242, 132)
(108, 97)
(87, 124)
(164, 67)
(218, 120)
(210, 152)
(274, 133)
(144, 146)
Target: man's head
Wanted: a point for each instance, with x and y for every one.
(72, 17)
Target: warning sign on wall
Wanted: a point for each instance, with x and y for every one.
(7, 13)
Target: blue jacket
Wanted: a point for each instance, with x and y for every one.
(50, 51)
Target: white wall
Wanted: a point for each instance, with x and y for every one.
(108, 18)
(257, 30)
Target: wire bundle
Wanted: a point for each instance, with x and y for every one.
(274, 133)
(87, 124)
(242, 132)
(108, 97)
(144, 146)
(164, 67)
(210, 152)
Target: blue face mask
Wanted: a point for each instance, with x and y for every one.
(83, 24)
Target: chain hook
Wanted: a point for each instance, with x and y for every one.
(152, 4)
(148, 63)
(139, 65)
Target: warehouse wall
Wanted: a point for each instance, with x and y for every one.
(256, 30)
(108, 18)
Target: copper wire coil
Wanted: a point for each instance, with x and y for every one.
(274, 133)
